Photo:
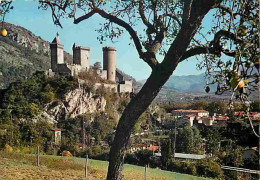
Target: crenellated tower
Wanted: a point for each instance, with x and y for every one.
(109, 62)
(57, 56)
(81, 56)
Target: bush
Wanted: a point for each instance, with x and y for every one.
(26, 149)
(8, 148)
(95, 152)
(131, 159)
(209, 168)
(66, 154)
(186, 167)
(47, 97)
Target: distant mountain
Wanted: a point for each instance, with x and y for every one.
(174, 96)
(187, 89)
(190, 83)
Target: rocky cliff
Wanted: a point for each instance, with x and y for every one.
(74, 103)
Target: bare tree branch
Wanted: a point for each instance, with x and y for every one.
(84, 17)
(171, 16)
(194, 12)
(199, 50)
(186, 11)
(143, 17)
(228, 10)
(215, 46)
(226, 34)
(205, 50)
(131, 31)
(54, 16)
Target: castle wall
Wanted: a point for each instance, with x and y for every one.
(63, 68)
(123, 88)
(81, 56)
(60, 55)
(57, 56)
(85, 58)
(103, 74)
(109, 62)
(74, 69)
(108, 86)
(76, 56)
(54, 59)
(128, 83)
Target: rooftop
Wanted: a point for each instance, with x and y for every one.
(56, 40)
(222, 118)
(186, 156)
(191, 111)
(138, 145)
(153, 148)
(191, 115)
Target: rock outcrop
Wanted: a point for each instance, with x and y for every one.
(75, 103)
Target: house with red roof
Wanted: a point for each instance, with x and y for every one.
(255, 116)
(153, 148)
(184, 112)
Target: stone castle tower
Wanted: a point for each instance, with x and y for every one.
(81, 63)
(81, 56)
(57, 56)
(109, 62)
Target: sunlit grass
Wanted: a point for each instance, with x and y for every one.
(15, 165)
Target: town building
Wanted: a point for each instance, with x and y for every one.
(192, 117)
(184, 157)
(241, 115)
(183, 112)
(57, 136)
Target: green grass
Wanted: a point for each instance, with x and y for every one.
(75, 166)
(128, 169)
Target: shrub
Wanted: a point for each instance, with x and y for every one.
(186, 167)
(209, 168)
(26, 149)
(47, 97)
(66, 154)
(96, 150)
(131, 159)
(8, 148)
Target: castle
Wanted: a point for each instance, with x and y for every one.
(81, 63)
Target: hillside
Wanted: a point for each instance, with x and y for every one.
(186, 89)
(22, 54)
(189, 83)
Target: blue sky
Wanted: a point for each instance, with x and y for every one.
(26, 14)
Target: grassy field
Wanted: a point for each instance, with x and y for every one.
(20, 166)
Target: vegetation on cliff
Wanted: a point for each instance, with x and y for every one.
(24, 102)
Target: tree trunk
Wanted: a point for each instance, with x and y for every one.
(129, 118)
(149, 91)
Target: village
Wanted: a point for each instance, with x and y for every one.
(192, 118)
